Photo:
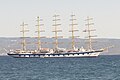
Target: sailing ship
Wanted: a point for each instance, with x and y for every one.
(57, 52)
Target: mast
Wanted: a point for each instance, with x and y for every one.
(88, 30)
(73, 24)
(56, 30)
(23, 37)
(38, 31)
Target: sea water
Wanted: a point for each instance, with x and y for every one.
(101, 68)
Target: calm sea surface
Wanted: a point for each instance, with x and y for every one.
(100, 68)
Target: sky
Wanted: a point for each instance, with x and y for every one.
(105, 14)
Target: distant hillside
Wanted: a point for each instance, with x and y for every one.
(15, 43)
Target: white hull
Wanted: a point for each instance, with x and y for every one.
(55, 55)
